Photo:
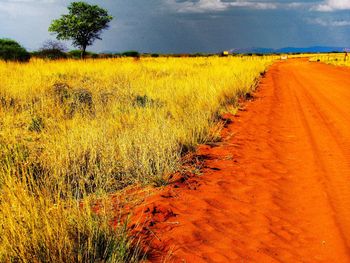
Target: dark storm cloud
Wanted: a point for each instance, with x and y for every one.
(191, 25)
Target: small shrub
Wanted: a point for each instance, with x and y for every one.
(61, 93)
(106, 97)
(51, 49)
(105, 55)
(81, 101)
(131, 53)
(83, 97)
(76, 54)
(73, 101)
(198, 55)
(145, 101)
(8, 103)
(160, 181)
(50, 54)
(36, 124)
(11, 50)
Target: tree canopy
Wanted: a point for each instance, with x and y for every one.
(11, 50)
(83, 24)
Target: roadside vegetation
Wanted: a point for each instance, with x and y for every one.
(73, 131)
(337, 59)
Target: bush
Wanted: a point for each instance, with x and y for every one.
(51, 49)
(50, 54)
(145, 101)
(76, 54)
(11, 50)
(36, 125)
(94, 55)
(131, 53)
(198, 55)
(105, 55)
(73, 100)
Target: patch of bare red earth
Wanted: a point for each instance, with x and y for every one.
(276, 189)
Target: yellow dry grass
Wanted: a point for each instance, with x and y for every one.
(74, 130)
(337, 59)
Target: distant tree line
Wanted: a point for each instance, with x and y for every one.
(11, 50)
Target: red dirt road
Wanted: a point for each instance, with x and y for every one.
(277, 189)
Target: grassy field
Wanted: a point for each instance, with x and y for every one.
(73, 131)
(337, 59)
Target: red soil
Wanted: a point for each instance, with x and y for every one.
(277, 189)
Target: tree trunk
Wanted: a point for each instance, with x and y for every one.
(83, 52)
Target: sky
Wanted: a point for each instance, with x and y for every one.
(179, 26)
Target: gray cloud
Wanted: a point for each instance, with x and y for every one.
(332, 5)
(218, 5)
(15, 8)
(328, 22)
(200, 6)
(189, 25)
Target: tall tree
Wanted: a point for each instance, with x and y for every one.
(83, 24)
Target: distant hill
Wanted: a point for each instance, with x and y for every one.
(260, 50)
(314, 49)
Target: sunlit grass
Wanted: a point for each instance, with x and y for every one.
(74, 130)
(337, 59)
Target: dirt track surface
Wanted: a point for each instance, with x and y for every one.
(277, 189)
